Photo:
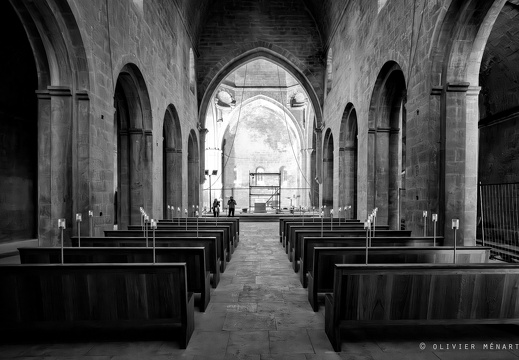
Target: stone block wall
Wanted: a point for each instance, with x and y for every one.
(154, 39)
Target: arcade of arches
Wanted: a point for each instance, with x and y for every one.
(103, 114)
(112, 106)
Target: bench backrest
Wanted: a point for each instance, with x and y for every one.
(194, 257)
(64, 294)
(426, 292)
(210, 244)
(322, 263)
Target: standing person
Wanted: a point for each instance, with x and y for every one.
(216, 208)
(231, 203)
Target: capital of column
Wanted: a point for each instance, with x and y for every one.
(170, 150)
(372, 131)
(82, 95)
(42, 94)
(148, 132)
(436, 90)
(59, 91)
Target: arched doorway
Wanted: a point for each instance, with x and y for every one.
(18, 132)
(386, 144)
(348, 149)
(53, 103)
(193, 173)
(132, 175)
(455, 74)
(172, 161)
(328, 171)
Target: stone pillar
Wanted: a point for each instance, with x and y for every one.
(382, 165)
(81, 153)
(45, 224)
(54, 164)
(147, 176)
(136, 174)
(461, 161)
(394, 178)
(347, 169)
(174, 177)
(123, 195)
(372, 136)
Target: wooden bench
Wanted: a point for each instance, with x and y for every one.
(210, 244)
(425, 294)
(207, 219)
(227, 230)
(234, 224)
(198, 278)
(308, 244)
(294, 245)
(311, 220)
(291, 228)
(321, 265)
(223, 245)
(74, 301)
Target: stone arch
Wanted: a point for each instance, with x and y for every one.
(172, 160)
(458, 44)
(328, 168)
(193, 172)
(386, 143)
(348, 160)
(252, 51)
(62, 104)
(133, 167)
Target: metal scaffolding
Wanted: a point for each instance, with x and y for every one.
(265, 186)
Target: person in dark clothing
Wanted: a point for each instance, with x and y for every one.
(216, 208)
(232, 204)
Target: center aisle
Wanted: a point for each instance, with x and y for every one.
(259, 307)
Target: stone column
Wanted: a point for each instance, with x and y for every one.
(45, 224)
(318, 151)
(372, 136)
(147, 178)
(82, 155)
(136, 174)
(54, 164)
(394, 178)
(382, 165)
(461, 161)
(123, 195)
(347, 178)
(174, 177)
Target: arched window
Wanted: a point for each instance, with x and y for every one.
(259, 177)
(284, 174)
(329, 71)
(192, 81)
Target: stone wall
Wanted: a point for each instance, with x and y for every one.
(154, 39)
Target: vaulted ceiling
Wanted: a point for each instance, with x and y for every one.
(326, 14)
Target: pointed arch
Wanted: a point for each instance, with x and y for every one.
(385, 146)
(172, 160)
(328, 170)
(193, 172)
(348, 160)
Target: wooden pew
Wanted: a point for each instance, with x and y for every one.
(308, 244)
(223, 245)
(233, 222)
(321, 265)
(76, 300)
(210, 244)
(198, 279)
(294, 245)
(290, 229)
(425, 294)
(309, 220)
(227, 232)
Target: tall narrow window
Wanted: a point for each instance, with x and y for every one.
(329, 71)
(192, 82)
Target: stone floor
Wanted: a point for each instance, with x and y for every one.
(260, 312)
